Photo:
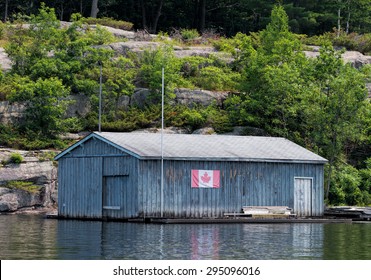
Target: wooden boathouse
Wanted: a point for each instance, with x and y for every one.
(118, 176)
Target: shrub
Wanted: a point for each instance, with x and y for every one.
(352, 41)
(23, 185)
(189, 34)
(120, 24)
(16, 158)
(346, 186)
(215, 78)
(47, 156)
(192, 65)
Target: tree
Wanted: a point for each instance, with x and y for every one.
(6, 10)
(94, 9)
(26, 46)
(45, 106)
(336, 106)
(151, 12)
(273, 75)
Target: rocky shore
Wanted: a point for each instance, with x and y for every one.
(28, 186)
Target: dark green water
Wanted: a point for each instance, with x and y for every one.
(33, 237)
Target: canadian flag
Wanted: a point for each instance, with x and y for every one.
(205, 178)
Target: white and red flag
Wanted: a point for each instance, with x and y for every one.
(205, 178)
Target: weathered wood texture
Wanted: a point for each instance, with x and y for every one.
(95, 175)
(241, 184)
(97, 180)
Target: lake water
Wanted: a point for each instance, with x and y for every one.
(33, 237)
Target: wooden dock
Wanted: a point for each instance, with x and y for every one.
(350, 212)
(237, 218)
(241, 220)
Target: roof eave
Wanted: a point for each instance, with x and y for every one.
(236, 159)
(97, 136)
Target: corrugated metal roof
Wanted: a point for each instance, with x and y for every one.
(206, 147)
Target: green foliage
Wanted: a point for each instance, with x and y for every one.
(346, 187)
(23, 185)
(45, 106)
(191, 65)
(16, 158)
(336, 105)
(134, 119)
(150, 72)
(209, 73)
(215, 78)
(365, 186)
(120, 24)
(2, 30)
(189, 34)
(11, 137)
(277, 31)
(273, 78)
(47, 156)
(177, 116)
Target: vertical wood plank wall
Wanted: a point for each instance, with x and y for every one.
(241, 184)
(135, 185)
(82, 175)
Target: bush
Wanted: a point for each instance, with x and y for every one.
(352, 41)
(16, 158)
(120, 24)
(189, 34)
(23, 185)
(215, 78)
(346, 186)
(192, 65)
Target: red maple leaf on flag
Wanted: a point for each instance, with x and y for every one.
(205, 178)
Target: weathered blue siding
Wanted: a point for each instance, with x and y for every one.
(241, 184)
(93, 175)
(80, 187)
(98, 180)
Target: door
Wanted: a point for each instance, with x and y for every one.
(115, 197)
(303, 196)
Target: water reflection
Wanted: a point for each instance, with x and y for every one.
(209, 241)
(27, 237)
(32, 237)
(347, 241)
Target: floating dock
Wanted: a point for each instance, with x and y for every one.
(242, 220)
(351, 212)
(236, 219)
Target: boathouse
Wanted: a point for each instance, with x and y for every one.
(119, 176)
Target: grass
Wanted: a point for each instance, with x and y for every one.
(23, 185)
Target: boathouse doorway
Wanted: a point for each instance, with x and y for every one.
(303, 187)
(116, 197)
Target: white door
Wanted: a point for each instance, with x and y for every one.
(303, 196)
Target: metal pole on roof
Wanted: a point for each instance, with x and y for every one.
(162, 144)
(100, 99)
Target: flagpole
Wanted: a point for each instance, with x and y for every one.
(100, 98)
(162, 145)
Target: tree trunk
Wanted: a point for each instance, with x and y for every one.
(202, 15)
(339, 26)
(348, 20)
(94, 9)
(6, 10)
(144, 21)
(157, 17)
(62, 12)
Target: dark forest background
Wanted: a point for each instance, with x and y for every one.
(226, 17)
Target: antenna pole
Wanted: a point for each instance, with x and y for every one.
(100, 99)
(162, 145)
